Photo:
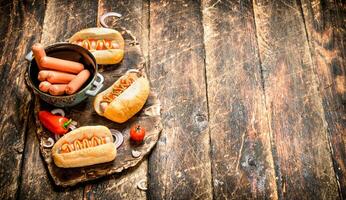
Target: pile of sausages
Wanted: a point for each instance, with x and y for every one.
(58, 76)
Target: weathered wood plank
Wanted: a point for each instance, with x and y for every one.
(36, 182)
(242, 162)
(326, 28)
(62, 19)
(179, 167)
(122, 186)
(21, 25)
(300, 147)
(5, 10)
(135, 19)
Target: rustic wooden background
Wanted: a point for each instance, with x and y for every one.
(253, 98)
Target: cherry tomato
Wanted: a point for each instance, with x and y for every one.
(137, 133)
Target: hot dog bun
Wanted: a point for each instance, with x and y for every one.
(105, 56)
(87, 156)
(128, 103)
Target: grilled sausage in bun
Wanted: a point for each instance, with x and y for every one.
(107, 45)
(84, 146)
(124, 98)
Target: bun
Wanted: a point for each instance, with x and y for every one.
(86, 156)
(128, 103)
(104, 56)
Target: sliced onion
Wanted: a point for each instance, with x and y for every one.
(133, 71)
(71, 127)
(58, 111)
(118, 137)
(109, 14)
(136, 154)
(50, 143)
(57, 137)
(142, 185)
(74, 123)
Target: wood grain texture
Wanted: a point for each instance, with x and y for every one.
(5, 10)
(326, 27)
(36, 182)
(21, 25)
(135, 19)
(179, 167)
(242, 162)
(300, 147)
(62, 19)
(119, 186)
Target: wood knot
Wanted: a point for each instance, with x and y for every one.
(200, 121)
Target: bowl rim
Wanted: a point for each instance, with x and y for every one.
(57, 44)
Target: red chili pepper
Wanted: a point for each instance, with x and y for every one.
(55, 123)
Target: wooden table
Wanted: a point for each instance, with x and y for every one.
(253, 98)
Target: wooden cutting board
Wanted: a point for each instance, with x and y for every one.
(84, 114)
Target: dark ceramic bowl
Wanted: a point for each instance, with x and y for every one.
(71, 52)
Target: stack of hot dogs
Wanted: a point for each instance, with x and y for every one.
(58, 76)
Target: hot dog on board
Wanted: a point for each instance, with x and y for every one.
(84, 146)
(58, 76)
(124, 98)
(107, 45)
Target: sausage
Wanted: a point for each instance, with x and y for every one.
(61, 65)
(44, 61)
(57, 89)
(77, 82)
(103, 106)
(44, 86)
(43, 75)
(39, 53)
(55, 76)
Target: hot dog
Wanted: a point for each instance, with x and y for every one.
(44, 86)
(84, 146)
(77, 82)
(47, 62)
(39, 53)
(107, 45)
(61, 65)
(124, 98)
(55, 76)
(57, 89)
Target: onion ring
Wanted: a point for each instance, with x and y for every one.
(57, 137)
(71, 127)
(118, 137)
(141, 186)
(133, 71)
(58, 111)
(109, 14)
(50, 143)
